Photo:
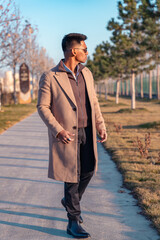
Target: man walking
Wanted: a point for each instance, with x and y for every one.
(68, 105)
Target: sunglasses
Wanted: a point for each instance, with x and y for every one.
(84, 49)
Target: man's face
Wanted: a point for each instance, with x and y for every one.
(81, 52)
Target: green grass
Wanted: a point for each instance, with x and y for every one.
(11, 114)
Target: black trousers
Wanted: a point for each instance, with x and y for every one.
(85, 161)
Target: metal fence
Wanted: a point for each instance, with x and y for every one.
(125, 86)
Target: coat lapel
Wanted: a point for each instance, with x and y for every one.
(63, 80)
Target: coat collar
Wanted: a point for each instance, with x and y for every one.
(63, 80)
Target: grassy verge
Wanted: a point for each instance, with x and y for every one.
(12, 114)
(134, 144)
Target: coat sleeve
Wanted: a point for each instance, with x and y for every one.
(44, 105)
(100, 124)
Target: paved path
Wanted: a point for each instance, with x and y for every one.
(30, 206)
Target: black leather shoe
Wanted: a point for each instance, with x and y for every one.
(80, 219)
(75, 229)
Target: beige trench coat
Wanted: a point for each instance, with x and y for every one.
(55, 106)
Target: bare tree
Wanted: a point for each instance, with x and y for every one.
(36, 58)
(15, 48)
(6, 17)
(18, 42)
(44, 62)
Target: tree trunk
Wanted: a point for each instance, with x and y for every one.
(142, 85)
(136, 86)
(158, 93)
(133, 102)
(14, 80)
(117, 91)
(130, 89)
(127, 87)
(120, 87)
(150, 84)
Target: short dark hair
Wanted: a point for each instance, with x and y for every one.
(69, 38)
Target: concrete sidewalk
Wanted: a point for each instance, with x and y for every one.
(30, 207)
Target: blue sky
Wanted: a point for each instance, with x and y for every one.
(55, 18)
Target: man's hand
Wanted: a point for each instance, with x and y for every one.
(103, 136)
(65, 136)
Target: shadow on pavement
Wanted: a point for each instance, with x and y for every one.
(25, 159)
(51, 231)
(33, 215)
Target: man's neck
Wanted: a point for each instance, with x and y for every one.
(71, 64)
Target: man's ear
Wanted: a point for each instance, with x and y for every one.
(73, 52)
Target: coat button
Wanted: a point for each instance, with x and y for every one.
(74, 127)
(74, 109)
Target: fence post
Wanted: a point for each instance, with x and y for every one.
(123, 93)
(150, 84)
(117, 91)
(141, 76)
(130, 90)
(127, 87)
